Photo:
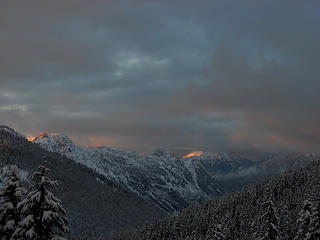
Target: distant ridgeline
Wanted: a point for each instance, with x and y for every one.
(286, 207)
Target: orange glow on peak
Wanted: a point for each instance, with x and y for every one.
(30, 139)
(41, 134)
(193, 153)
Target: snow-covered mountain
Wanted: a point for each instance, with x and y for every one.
(171, 182)
(161, 178)
(95, 205)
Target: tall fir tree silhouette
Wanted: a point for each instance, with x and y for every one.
(43, 214)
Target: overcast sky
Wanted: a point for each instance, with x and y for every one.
(206, 75)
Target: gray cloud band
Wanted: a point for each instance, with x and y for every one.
(211, 75)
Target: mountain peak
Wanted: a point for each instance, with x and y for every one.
(54, 141)
(10, 131)
(194, 153)
(41, 135)
(7, 129)
(55, 136)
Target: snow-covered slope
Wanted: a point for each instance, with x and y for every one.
(165, 180)
(22, 174)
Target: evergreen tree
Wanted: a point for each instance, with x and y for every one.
(304, 220)
(44, 216)
(216, 233)
(314, 232)
(11, 194)
(270, 219)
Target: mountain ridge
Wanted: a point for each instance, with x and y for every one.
(162, 178)
(170, 182)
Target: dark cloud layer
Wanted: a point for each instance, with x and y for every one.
(207, 75)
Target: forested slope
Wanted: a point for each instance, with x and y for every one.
(274, 207)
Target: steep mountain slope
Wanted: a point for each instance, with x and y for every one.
(95, 205)
(242, 215)
(167, 181)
